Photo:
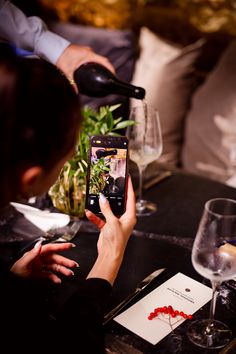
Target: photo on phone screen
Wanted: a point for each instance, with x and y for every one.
(107, 172)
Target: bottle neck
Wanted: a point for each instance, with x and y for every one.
(121, 88)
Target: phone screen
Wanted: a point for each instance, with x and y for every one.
(107, 172)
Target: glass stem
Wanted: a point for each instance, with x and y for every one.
(215, 288)
(140, 194)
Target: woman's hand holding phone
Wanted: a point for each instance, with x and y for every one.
(113, 238)
(107, 172)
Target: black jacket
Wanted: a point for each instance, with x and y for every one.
(30, 324)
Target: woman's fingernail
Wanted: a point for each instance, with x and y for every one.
(72, 273)
(73, 245)
(38, 244)
(76, 264)
(102, 198)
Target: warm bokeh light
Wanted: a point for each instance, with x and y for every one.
(180, 21)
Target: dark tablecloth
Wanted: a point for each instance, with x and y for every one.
(161, 240)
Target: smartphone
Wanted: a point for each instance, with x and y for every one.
(107, 172)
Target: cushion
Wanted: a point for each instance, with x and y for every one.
(166, 71)
(118, 45)
(210, 135)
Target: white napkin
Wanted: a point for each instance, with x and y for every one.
(44, 220)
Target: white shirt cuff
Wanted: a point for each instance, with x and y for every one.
(50, 46)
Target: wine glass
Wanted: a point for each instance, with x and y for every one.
(117, 171)
(214, 257)
(145, 146)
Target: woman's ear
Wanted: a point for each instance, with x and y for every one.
(30, 180)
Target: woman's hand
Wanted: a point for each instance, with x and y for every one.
(42, 262)
(114, 235)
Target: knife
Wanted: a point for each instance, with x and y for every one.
(140, 287)
(230, 348)
(155, 180)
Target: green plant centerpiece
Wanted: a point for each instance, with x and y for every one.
(68, 193)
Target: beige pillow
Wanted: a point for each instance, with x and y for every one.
(166, 71)
(210, 145)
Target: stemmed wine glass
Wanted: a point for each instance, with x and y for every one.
(214, 257)
(115, 172)
(145, 146)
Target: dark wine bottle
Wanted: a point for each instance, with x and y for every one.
(103, 153)
(96, 80)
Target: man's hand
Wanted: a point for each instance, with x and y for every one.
(74, 56)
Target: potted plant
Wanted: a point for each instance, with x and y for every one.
(69, 191)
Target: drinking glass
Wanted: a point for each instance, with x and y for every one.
(115, 172)
(145, 146)
(214, 257)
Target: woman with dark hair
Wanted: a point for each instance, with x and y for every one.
(32, 124)
(39, 121)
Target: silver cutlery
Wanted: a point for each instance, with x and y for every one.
(140, 287)
(230, 348)
(157, 179)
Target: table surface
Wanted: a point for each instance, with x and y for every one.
(163, 240)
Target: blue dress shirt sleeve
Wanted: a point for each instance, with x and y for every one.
(29, 33)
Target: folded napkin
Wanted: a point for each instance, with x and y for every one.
(43, 219)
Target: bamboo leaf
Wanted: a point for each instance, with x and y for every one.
(68, 191)
(124, 124)
(116, 121)
(114, 107)
(114, 133)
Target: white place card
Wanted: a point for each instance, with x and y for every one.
(181, 292)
